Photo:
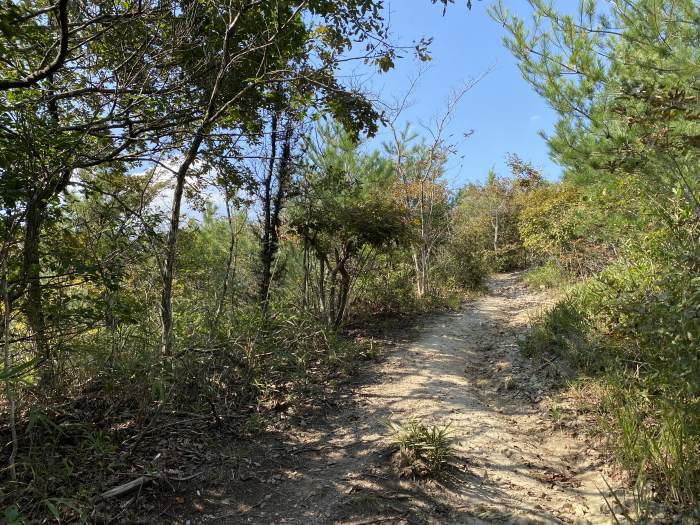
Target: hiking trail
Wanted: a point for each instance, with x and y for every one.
(513, 462)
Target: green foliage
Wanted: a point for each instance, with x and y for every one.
(116, 120)
(422, 450)
(506, 258)
(561, 226)
(267, 359)
(12, 516)
(623, 82)
(546, 223)
(546, 276)
(636, 327)
(461, 263)
(486, 221)
(344, 220)
(387, 290)
(553, 229)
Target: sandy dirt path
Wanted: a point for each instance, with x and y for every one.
(513, 463)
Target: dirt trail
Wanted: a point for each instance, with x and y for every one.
(513, 464)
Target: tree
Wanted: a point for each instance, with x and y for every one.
(622, 85)
(276, 189)
(422, 192)
(106, 99)
(276, 43)
(343, 220)
(558, 226)
(420, 186)
(131, 89)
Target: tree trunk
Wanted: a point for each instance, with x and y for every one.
(272, 207)
(111, 319)
(32, 270)
(9, 390)
(210, 115)
(418, 262)
(495, 233)
(425, 269)
(331, 301)
(266, 254)
(230, 263)
(305, 281)
(343, 295)
(322, 285)
(166, 306)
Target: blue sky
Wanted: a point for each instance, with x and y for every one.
(503, 110)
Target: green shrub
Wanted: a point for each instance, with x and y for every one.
(461, 263)
(271, 358)
(507, 258)
(557, 225)
(637, 329)
(389, 291)
(422, 450)
(548, 275)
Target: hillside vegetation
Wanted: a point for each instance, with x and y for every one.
(623, 224)
(198, 220)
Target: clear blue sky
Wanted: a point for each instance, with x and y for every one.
(503, 110)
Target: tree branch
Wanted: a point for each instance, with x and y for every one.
(44, 72)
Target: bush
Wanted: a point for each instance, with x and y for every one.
(272, 358)
(557, 225)
(461, 264)
(250, 366)
(636, 327)
(422, 450)
(548, 275)
(388, 291)
(507, 258)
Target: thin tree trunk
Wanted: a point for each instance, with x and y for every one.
(230, 257)
(420, 291)
(342, 297)
(210, 115)
(305, 281)
(112, 320)
(322, 285)
(266, 254)
(332, 298)
(425, 231)
(9, 390)
(495, 233)
(425, 269)
(166, 305)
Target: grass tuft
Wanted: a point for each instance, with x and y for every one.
(421, 450)
(547, 276)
